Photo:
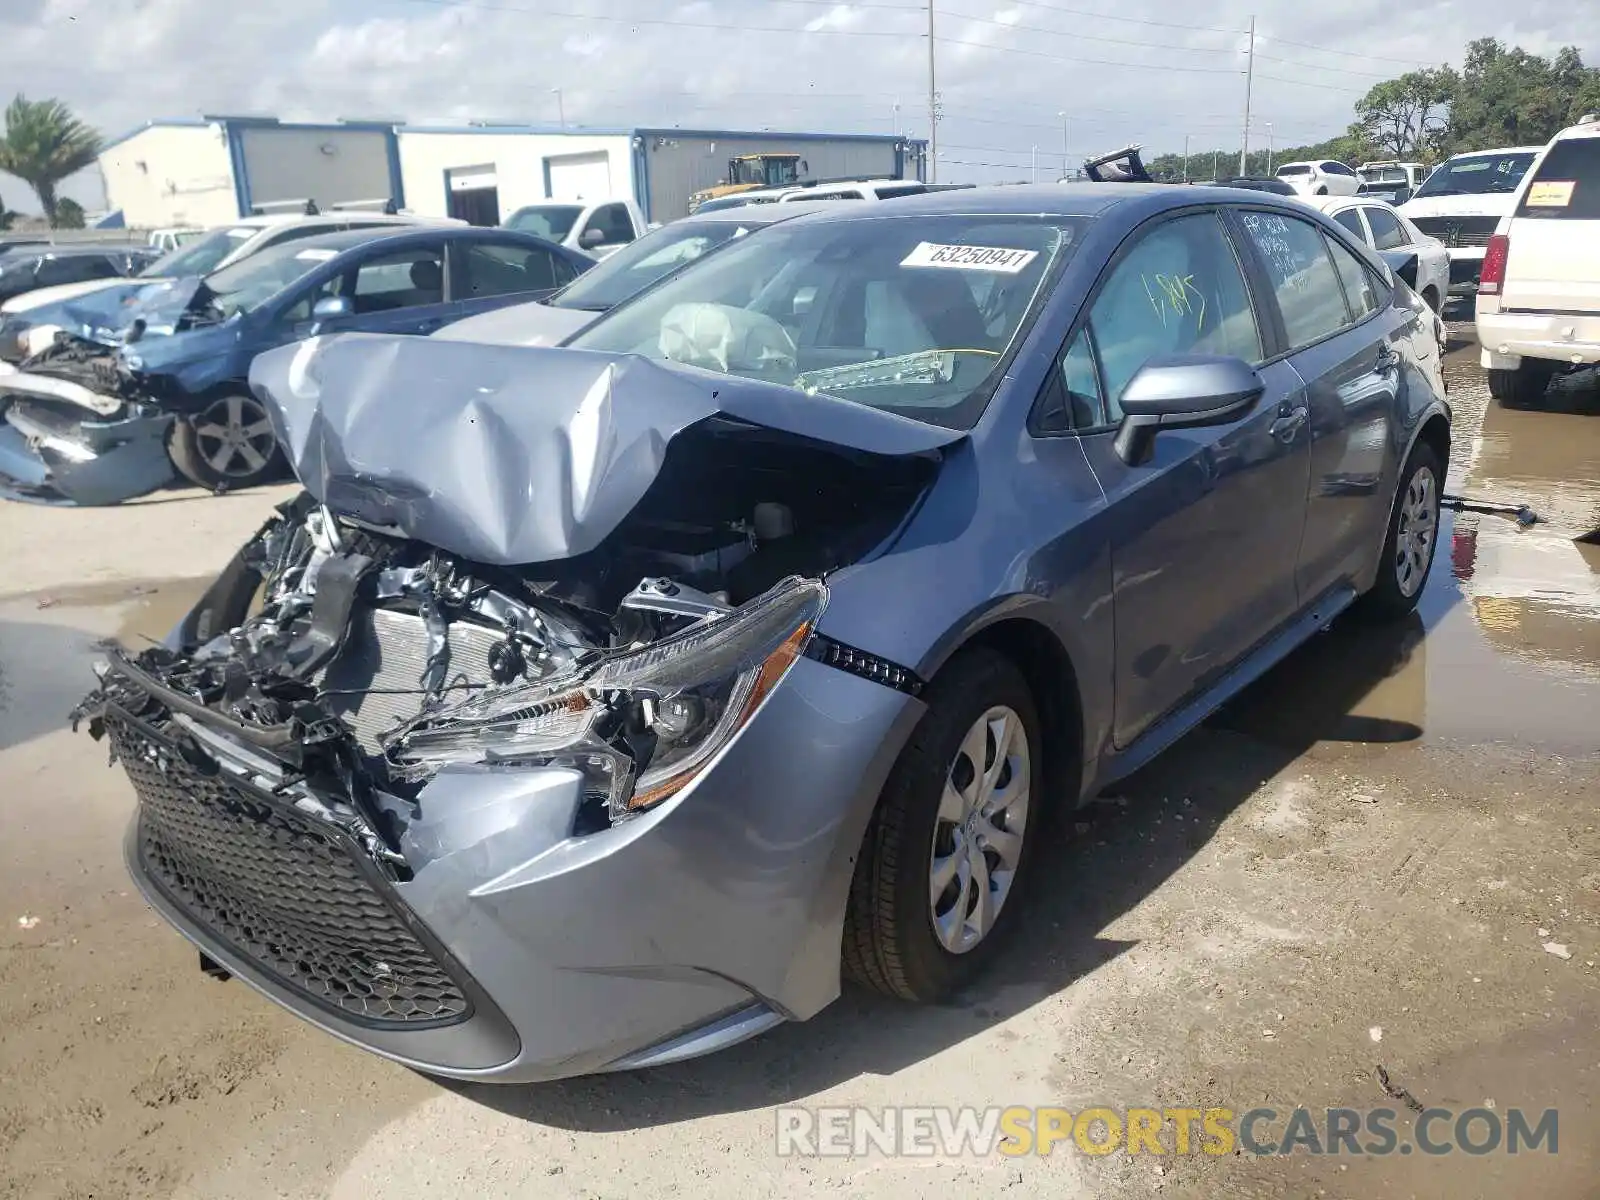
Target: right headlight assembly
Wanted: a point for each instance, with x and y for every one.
(640, 724)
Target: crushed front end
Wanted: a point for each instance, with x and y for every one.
(75, 426)
(517, 823)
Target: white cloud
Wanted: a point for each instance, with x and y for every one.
(1002, 78)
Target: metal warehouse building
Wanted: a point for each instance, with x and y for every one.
(212, 170)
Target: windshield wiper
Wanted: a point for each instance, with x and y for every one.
(1441, 192)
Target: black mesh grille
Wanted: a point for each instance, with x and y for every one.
(1458, 231)
(287, 891)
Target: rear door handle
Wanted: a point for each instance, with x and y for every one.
(1388, 359)
(1287, 427)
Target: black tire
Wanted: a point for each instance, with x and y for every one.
(1399, 585)
(890, 943)
(198, 450)
(1322, 191)
(1523, 386)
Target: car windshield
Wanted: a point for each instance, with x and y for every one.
(247, 283)
(913, 316)
(201, 256)
(637, 266)
(1294, 170)
(1383, 175)
(552, 221)
(1478, 174)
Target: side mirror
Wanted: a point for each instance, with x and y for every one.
(1183, 392)
(590, 238)
(330, 307)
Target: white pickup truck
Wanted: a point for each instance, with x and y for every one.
(596, 229)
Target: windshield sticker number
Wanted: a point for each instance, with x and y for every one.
(969, 258)
(1555, 193)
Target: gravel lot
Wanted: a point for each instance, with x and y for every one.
(1381, 836)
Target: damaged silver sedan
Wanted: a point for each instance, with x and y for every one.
(597, 707)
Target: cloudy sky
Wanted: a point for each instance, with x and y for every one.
(1151, 71)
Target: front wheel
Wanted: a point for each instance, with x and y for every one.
(1412, 537)
(952, 837)
(229, 444)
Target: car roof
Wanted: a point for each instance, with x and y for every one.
(767, 214)
(74, 250)
(1496, 150)
(1036, 199)
(340, 240)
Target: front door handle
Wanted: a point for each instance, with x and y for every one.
(1388, 360)
(1287, 427)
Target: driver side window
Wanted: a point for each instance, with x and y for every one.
(1180, 290)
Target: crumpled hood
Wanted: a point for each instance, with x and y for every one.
(510, 454)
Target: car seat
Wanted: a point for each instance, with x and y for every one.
(427, 278)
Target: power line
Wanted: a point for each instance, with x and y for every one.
(1096, 62)
(1103, 16)
(723, 26)
(1405, 62)
(1311, 83)
(1082, 37)
(1293, 62)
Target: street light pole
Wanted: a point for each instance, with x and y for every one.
(1066, 145)
(1186, 158)
(1249, 81)
(561, 108)
(1269, 147)
(933, 104)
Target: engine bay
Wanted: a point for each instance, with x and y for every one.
(349, 661)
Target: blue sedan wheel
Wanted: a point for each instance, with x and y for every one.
(936, 882)
(229, 444)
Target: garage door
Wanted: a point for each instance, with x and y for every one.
(580, 177)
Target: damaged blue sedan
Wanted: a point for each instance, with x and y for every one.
(599, 706)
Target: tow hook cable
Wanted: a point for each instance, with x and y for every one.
(1525, 516)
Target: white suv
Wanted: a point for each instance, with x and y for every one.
(1539, 292)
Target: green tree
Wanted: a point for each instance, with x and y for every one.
(6, 215)
(1407, 116)
(44, 144)
(1513, 98)
(69, 213)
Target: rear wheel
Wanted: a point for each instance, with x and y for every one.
(950, 842)
(230, 444)
(1412, 537)
(1524, 385)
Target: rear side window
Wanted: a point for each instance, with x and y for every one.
(1359, 289)
(500, 269)
(1303, 276)
(1351, 220)
(1567, 184)
(1386, 231)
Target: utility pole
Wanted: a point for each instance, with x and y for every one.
(1036, 164)
(1066, 145)
(1269, 147)
(561, 108)
(896, 129)
(933, 105)
(1186, 158)
(1249, 81)
(1213, 166)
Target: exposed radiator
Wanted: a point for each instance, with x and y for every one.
(387, 651)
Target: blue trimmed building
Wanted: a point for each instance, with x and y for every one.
(210, 170)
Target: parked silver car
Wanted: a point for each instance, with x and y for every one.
(599, 706)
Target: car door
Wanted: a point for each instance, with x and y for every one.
(1204, 534)
(487, 274)
(1345, 340)
(398, 291)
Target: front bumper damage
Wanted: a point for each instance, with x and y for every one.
(73, 431)
(349, 792)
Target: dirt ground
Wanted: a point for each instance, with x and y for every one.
(1360, 863)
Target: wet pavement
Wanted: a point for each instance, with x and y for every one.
(1357, 863)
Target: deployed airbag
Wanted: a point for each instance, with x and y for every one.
(514, 454)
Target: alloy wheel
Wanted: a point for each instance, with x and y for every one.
(235, 437)
(1419, 525)
(983, 816)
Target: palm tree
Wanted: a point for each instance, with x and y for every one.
(43, 144)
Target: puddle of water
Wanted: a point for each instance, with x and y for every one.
(1505, 645)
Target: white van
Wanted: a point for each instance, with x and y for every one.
(1462, 202)
(1539, 296)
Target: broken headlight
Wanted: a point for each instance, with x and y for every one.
(641, 724)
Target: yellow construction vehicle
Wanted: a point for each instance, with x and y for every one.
(750, 171)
